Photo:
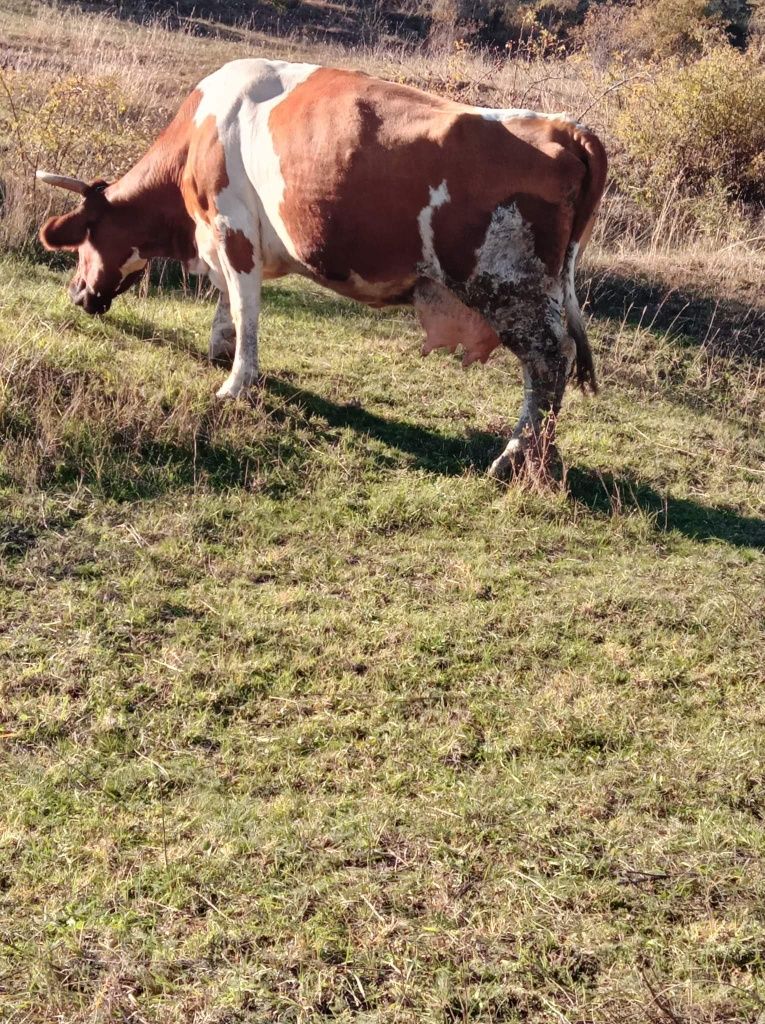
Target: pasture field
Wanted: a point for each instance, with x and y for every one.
(305, 719)
(302, 717)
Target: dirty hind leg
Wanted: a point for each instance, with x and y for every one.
(531, 452)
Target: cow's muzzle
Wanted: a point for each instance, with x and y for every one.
(92, 302)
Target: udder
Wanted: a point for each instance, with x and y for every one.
(447, 323)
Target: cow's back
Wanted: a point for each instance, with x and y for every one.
(366, 184)
(368, 164)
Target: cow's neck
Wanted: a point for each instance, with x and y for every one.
(150, 193)
(149, 197)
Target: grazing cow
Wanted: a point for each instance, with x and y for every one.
(378, 191)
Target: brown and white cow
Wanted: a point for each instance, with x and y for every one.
(380, 192)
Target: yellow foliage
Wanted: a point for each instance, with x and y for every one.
(79, 125)
(650, 30)
(697, 129)
(665, 28)
(84, 125)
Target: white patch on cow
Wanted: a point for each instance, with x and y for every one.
(516, 114)
(247, 81)
(206, 243)
(222, 342)
(241, 96)
(242, 289)
(132, 264)
(570, 300)
(438, 197)
(507, 253)
(572, 255)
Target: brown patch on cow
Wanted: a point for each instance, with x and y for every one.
(151, 191)
(66, 232)
(447, 323)
(239, 251)
(163, 163)
(206, 175)
(145, 208)
(359, 157)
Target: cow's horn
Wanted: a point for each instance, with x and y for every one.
(73, 184)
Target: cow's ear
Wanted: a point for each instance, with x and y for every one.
(67, 232)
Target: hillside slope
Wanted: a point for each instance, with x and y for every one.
(304, 719)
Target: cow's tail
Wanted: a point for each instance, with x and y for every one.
(594, 157)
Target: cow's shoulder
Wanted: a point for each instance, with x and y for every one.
(247, 82)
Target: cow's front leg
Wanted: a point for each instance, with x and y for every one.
(222, 345)
(240, 262)
(546, 357)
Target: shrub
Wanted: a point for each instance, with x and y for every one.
(651, 30)
(79, 125)
(85, 126)
(666, 28)
(698, 129)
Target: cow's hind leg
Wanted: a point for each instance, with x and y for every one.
(546, 351)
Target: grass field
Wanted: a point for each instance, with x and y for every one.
(303, 718)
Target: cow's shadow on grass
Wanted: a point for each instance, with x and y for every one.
(278, 460)
(602, 493)
(185, 341)
(429, 449)
(688, 315)
(611, 495)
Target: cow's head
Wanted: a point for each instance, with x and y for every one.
(104, 238)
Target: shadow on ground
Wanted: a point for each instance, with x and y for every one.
(438, 453)
(186, 342)
(728, 326)
(349, 22)
(607, 494)
(279, 460)
(226, 466)
(430, 450)
(602, 493)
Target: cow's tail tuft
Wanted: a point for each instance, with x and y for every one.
(585, 364)
(594, 157)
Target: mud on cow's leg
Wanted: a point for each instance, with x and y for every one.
(547, 356)
(240, 263)
(222, 344)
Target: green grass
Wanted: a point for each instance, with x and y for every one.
(303, 718)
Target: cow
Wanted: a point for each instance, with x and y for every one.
(380, 192)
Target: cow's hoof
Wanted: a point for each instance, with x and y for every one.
(527, 466)
(510, 463)
(233, 387)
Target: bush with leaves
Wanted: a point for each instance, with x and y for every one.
(86, 126)
(697, 130)
(656, 30)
